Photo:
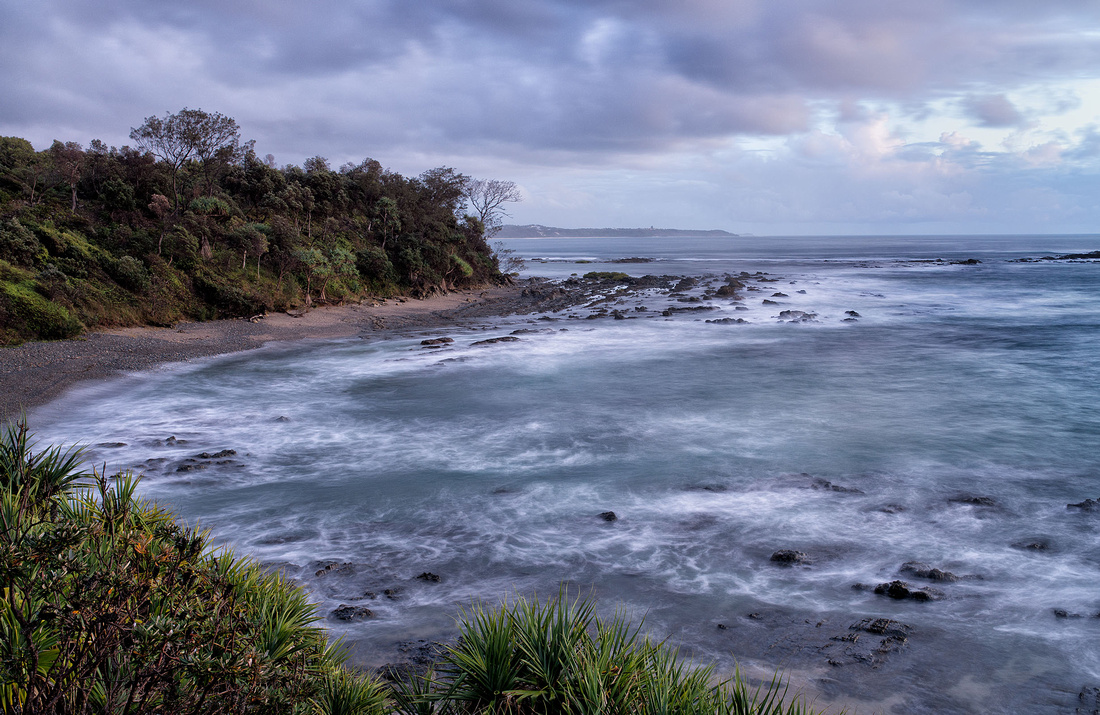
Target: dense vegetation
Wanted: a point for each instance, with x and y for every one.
(110, 606)
(192, 224)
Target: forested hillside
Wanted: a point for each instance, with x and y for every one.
(189, 223)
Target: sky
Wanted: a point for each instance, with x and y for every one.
(753, 116)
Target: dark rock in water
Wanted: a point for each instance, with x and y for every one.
(334, 567)
(685, 284)
(111, 445)
(780, 295)
(722, 626)
(504, 339)
(1039, 545)
(973, 500)
(819, 483)
(922, 570)
(1087, 505)
(800, 292)
(437, 341)
(172, 441)
(790, 557)
(191, 467)
(770, 302)
(900, 590)
(852, 313)
(891, 508)
(216, 455)
(850, 320)
(727, 321)
(882, 627)
(609, 516)
(1063, 613)
(798, 316)
(1089, 699)
(430, 577)
(740, 307)
(345, 612)
(967, 262)
(531, 331)
(726, 291)
(392, 593)
(282, 418)
(717, 488)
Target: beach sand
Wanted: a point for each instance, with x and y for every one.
(35, 373)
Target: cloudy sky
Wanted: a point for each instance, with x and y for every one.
(763, 116)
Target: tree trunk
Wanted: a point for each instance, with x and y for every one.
(73, 187)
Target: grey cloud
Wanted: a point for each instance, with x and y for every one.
(993, 110)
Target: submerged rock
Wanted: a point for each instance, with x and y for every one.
(1087, 505)
(922, 570)
(345, 612)
(503, 339)
(727, 321)
(437, 341)
(819, 483)
(973, 500)
(430, 577)
(798, 316)
(790, 557)
(216, 455)
(900, 590)
(852, 314)
(609, 516)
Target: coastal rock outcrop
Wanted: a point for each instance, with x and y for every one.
(609, 516)
(900, 590)
(917, 569)
(348, 613)
(789, 557)
(491, 341)
(1087, 505)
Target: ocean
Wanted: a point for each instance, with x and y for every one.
(907, 419)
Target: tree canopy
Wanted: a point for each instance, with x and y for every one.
(191, 223)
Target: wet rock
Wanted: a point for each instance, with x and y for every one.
(437, 341)
(687, 309)
(722, 626)
(798, 316)
(869, 642)
(503, 339)
(780, 295)
(900, 590)
(769, 302)
(967, 262)
(111, 445)
(334, 567)
(1087, 505)
(430, 577)
(216, 455)
(609, 516)
(1088, 701)
(789, 557)
(282, 418)
(891, 508)
(1063, 613)
(819, 483)
(728, 291)
(974, 500)
(800, 292)
(685, 284)
(348, 613)
(852, 314)
(172, 441)
(392, 593)
(1037, 545)
(728, 321)
(191, 467)
(916, 569)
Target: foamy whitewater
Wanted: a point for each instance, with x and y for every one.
(950, 424)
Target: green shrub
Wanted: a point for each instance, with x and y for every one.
(112, 607)
(18, 245)
(27, 315)
(559, 657)
(129, 273)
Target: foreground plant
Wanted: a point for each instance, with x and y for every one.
(559, 657)
(109, 606)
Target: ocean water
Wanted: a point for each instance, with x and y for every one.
(949, 424)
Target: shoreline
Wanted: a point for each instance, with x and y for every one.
(36, 373)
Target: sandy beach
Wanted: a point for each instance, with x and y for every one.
(35, 373)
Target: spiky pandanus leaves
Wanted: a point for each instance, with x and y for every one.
(109, 605)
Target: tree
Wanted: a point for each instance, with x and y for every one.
(487, 197)
(68, 159)
(188, 134)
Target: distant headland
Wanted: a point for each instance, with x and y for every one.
(536, 231)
